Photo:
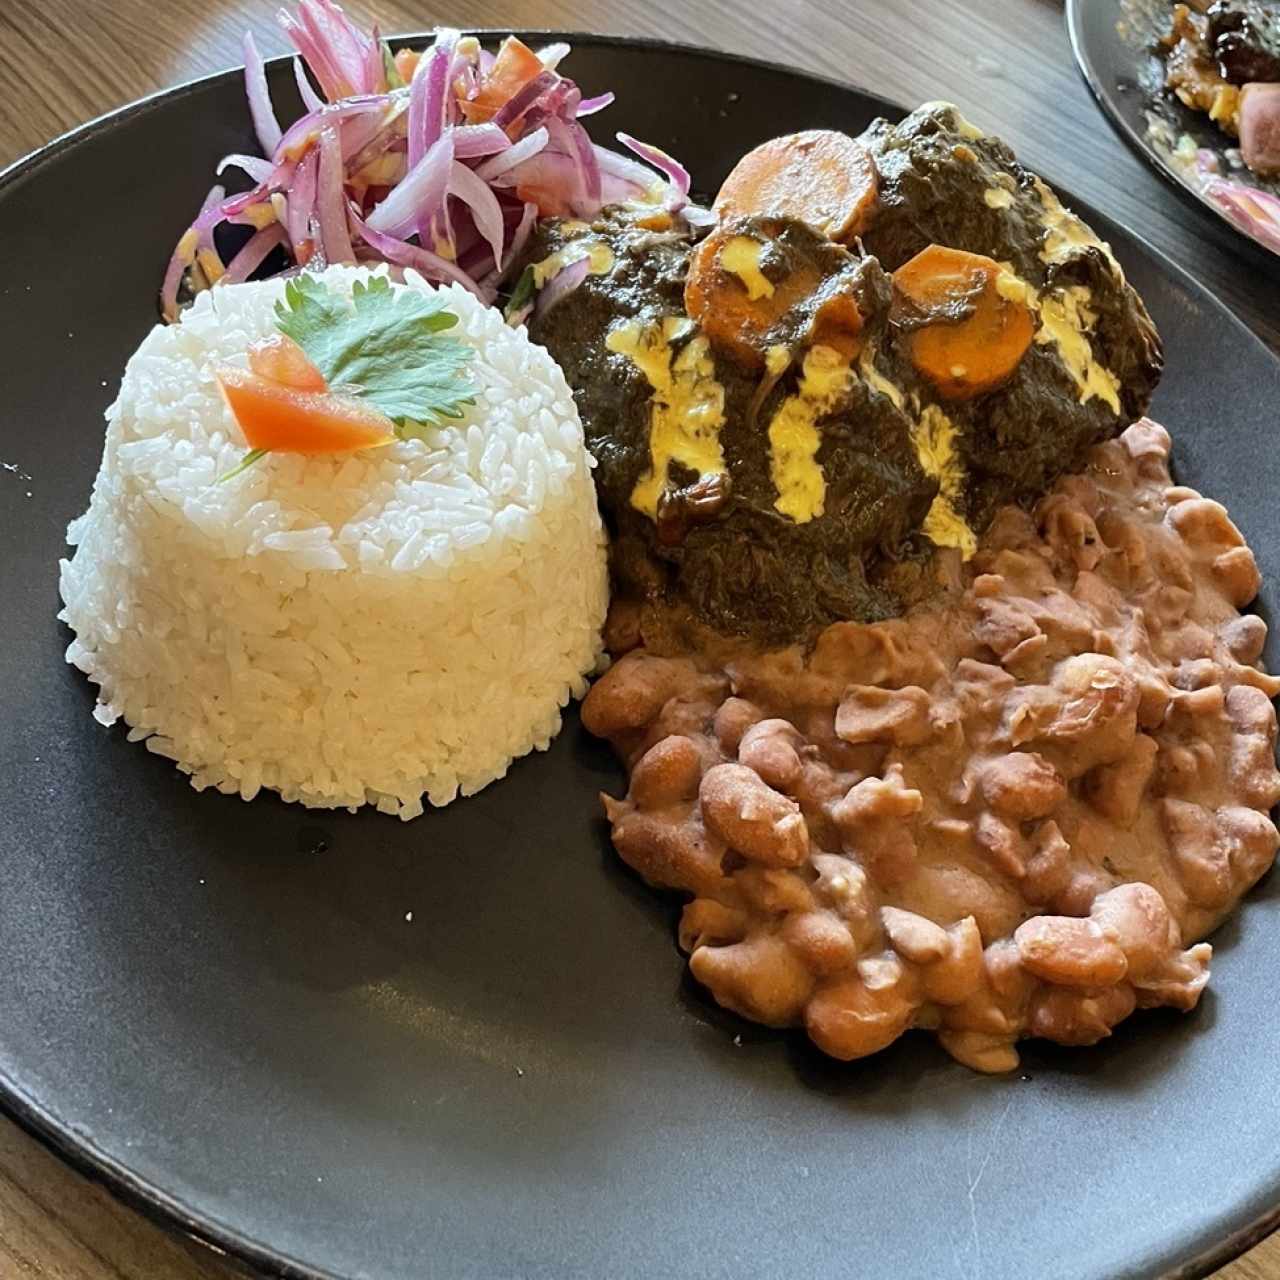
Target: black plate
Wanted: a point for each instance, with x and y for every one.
(1113, 41)
(222, 1010)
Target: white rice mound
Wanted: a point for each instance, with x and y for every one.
(360, 629)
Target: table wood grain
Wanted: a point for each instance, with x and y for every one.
(1007, 62)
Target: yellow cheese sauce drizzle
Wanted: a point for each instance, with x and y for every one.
(825, 377)
(595, 251)
(934, 438)
(741, 257)
(688, 402)
(1066, 319)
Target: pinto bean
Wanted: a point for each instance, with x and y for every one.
(1084, 884)
(632, 692)
(761, 978)
(1116, 790)
(1069, 529)
(1251, 841)
(868, 713)
(750, 816)
(672, 854)
(1202, 863)
(1136, 919)
(980, 1051)
(1204, 524)
(822, 940)
(913, 937)
(1049, 866)
(846, 888)
(848, 1019)
(1069, 952)
(1022, 785)
(1004, 845)
(1073, 1017)
(732, 720)
(1098, 716)
(775, 890)
(706, 922)
(772, 749)
(1238, 575)
(875, 821)
(668, 772)
(1178, 982)
(957, 974)
(1244, 637)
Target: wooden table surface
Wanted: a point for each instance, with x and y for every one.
(1007, 62)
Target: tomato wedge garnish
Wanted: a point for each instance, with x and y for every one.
(284, 419)
(280, 359)
(515, 65)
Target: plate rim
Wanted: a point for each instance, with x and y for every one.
(1074, 13)
(168, 1210)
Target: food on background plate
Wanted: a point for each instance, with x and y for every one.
(932, 686)
(343, 621)
(1222, 60)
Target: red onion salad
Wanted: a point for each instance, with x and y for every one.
(441, 161)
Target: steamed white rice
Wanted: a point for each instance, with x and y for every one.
(345, 630)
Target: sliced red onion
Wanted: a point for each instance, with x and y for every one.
(570, 139)
(588, 165)
(554, 54)
(419, 196)
(589, 106)
(375, 70)
(265, 124)
(563, 283)
(677, 175)
(345, 48)
(404, 254)
(471, 141)
(524, 98)
(302, 133)
(641, 179)
(310, 98)
(316, 56)
(475, 194)
(519, 238)
(301, 201)
(255, 166)
(330, 199)
(1254, 211)
(696, 216)
(253, 254)
(179, 261)
(428, 92)
(516, 154)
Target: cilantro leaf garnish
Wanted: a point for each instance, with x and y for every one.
(385, 345)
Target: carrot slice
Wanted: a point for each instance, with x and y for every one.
(824, 178)
(972, 337)
(733, 314)
(280, 359)
(515, 65)
(284, 419)
(737, 307)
